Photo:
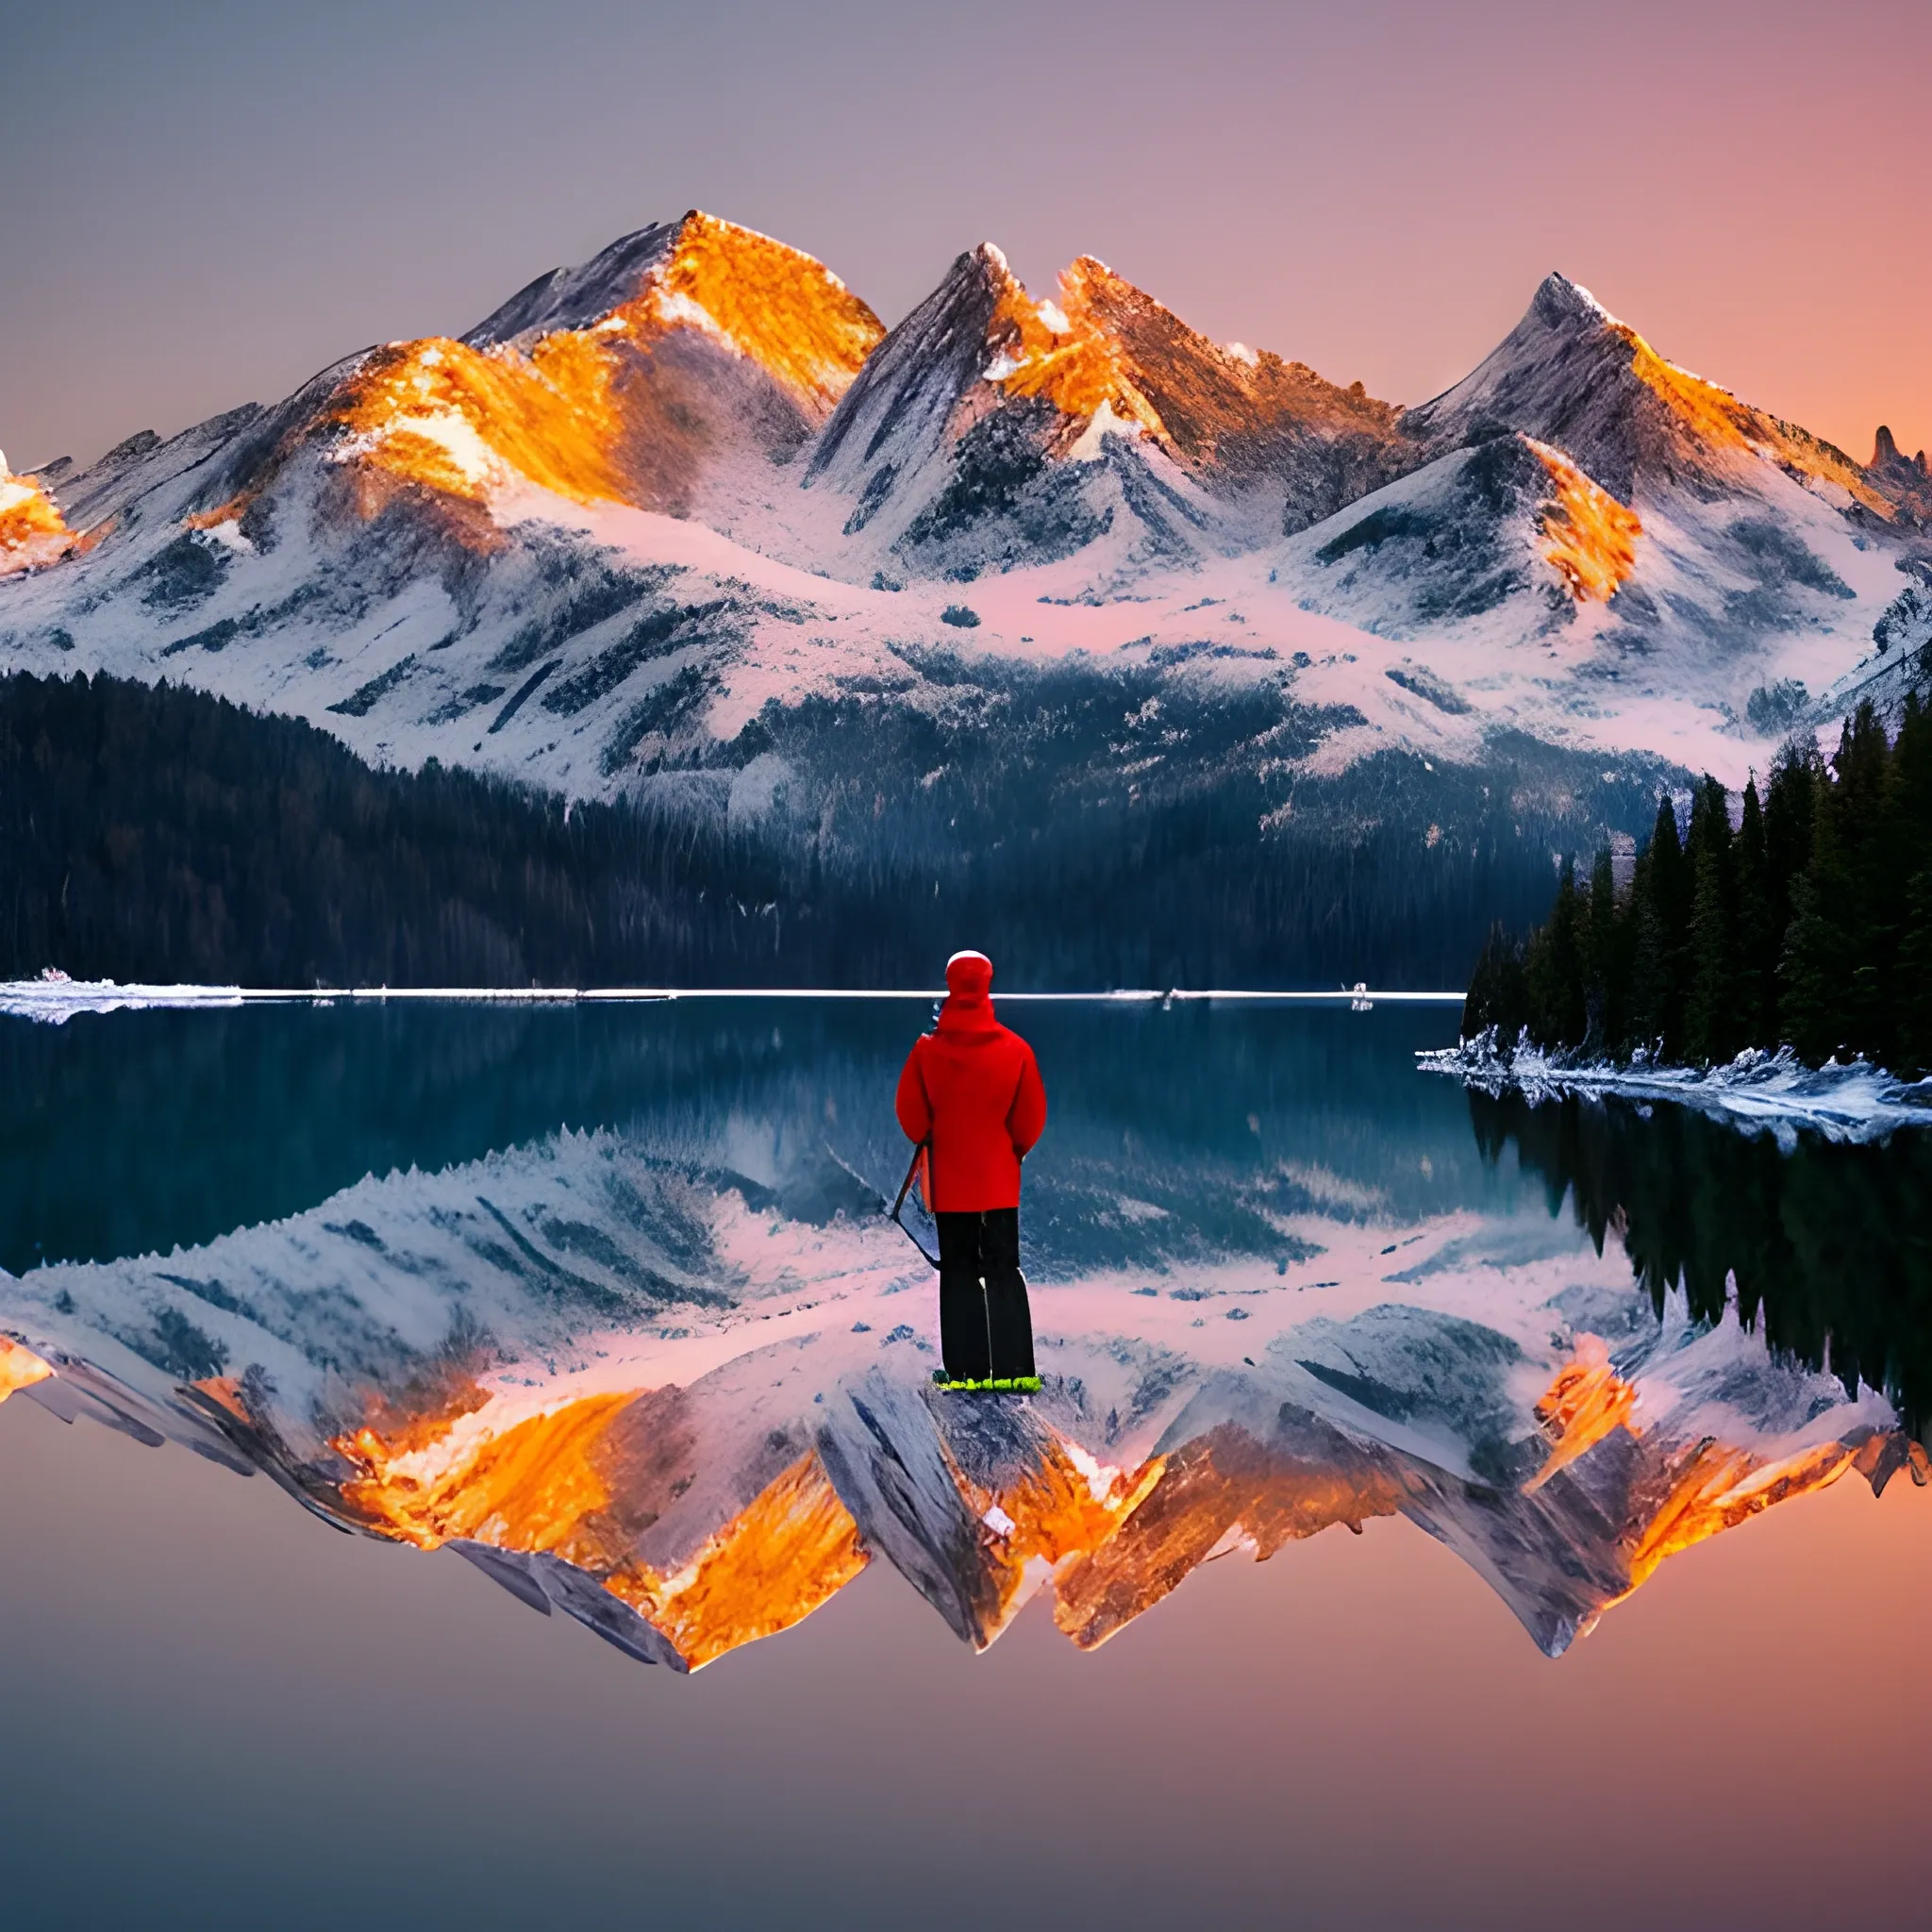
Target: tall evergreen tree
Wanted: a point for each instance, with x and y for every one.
(1868, 912)
(1756, 930)
(1710, 1003)
(1555, 967)
(1797, 775)
(1660, 918)
(1603, 989)
(1912, 998)
(1496, 995)
(1816, 967)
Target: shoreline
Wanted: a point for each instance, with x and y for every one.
(1760, 1091)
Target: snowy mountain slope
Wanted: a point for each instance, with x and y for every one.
(989, 428)
(685, 525)
(634, 1383)
(1572, 375)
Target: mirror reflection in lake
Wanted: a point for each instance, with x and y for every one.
(603, 1300)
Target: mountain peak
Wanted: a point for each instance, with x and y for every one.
(618, 381)
(1571, 375)
(1902, 477)
(773, 303)
(1557, 299)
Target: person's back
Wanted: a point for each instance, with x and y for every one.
(971, 1094)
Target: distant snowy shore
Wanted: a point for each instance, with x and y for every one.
(1855, 1101)
(54, 998)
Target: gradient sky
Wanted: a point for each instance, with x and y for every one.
(210, 199)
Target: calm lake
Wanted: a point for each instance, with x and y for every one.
(605, 1551)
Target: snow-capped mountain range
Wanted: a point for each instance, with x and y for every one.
(638, 533)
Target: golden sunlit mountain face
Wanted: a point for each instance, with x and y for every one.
(554, 1484)
(20, 1368)
(729, 335)
(794, 1547)
(775, 305)
(1219, 1491)
(1584, 1404)
(1214, 403)
(1588, 537)
(33, 533)
(1107, 352)
(1043, 350)
(1717, 420)
(1714, 1488)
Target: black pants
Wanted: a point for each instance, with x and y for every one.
(985, 1326)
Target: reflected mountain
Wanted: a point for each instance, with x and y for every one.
(1824, 1248)
(671, 1373)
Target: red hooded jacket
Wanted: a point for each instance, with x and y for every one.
(973, 1088)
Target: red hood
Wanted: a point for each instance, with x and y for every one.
(969, 996)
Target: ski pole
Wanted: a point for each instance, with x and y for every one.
(905, 1189)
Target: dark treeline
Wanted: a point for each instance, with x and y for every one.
(156, 833)
(1830, 1246)
(1809, 922)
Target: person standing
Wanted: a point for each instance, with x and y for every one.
(971, 1096)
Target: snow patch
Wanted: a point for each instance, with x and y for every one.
(55, 999)
(1853, 1102)
(1088, 446)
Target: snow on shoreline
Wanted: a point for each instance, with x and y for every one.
(54, 1000)
(1776, 1091)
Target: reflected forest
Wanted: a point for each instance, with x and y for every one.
(1827, 1246)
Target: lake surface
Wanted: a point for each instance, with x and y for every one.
(1558, 1429)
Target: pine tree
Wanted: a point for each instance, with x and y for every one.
(1757, 935)
(1603, 992)
(1554, 968)
(1647, 990)
(1817, 961)
(1866, 913)
(1660, 926)
(1710, 1002)
(1496, 995)
(1791, 805)
(1911, 988)
(1913, 1004)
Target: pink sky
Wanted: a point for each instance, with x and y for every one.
(208, 202)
